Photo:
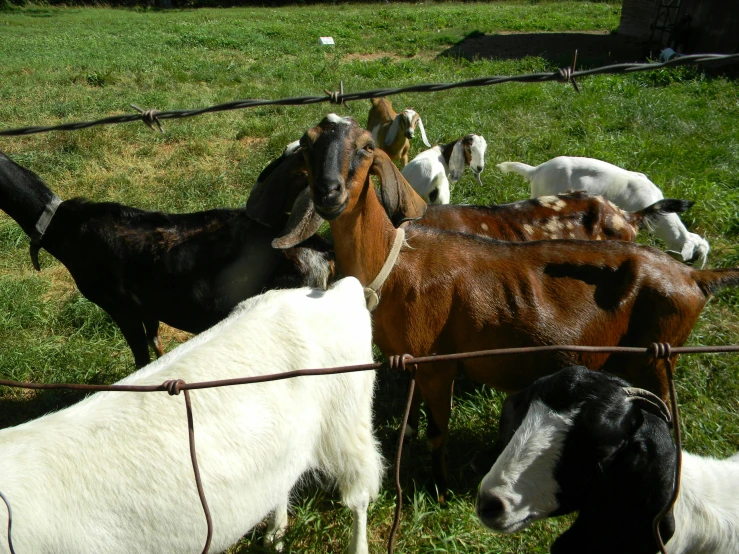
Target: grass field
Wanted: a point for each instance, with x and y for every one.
(680, 127)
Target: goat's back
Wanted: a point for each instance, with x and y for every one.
(465, 293)
(113, 474)
(572, 215)
(629, 190)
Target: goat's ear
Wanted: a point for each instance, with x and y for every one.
(393, 130)
(276, 187)
(423, 132)
(401, 202)
(302, 223)
(456, 162)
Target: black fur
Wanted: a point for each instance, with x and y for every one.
(186, 270)
(617, 465)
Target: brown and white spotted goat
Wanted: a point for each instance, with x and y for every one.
(570, 215)
(451, 292)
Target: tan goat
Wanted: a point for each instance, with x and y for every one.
(450, 292)
(393, 131)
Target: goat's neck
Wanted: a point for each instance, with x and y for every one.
(23, 194)
(707, 508)
(363, 237)
(446, 151)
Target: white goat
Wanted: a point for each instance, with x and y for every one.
(629, 190)
(112, 474)
(432, 170)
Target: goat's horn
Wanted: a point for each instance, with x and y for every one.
(649, 401)
(423, 133)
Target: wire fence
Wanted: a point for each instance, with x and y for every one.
(396, 363)
(566, 75)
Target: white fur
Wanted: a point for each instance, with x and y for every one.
(429, 171)
(707, 508)
(629, 190)
(523, 475)
(426, 173)
(112, 474)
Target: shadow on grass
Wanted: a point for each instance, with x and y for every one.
(559, 48)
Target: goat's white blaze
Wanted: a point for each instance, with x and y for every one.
(523, 475)
(477, 154)
(334, 118)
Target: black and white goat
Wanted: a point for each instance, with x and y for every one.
(112, 474)
(431, 171)
(186, 270)
(585, 440)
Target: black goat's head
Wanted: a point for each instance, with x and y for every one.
(582, 440)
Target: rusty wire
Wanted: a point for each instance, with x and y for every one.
(173, 387)
(565, 75)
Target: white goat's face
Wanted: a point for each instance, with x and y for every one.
(411, 119)
(521, 487)
(476, 148)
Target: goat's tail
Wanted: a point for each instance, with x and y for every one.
(516, 167)
(646, 218)
(712, 280)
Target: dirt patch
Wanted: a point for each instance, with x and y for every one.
(370, 57)
(595, 47)
(172, 337)
(248, 142)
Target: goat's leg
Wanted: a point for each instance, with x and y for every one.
(152, 336)
(414, 416)
(276, 527)
(133, 330)
(436, 382)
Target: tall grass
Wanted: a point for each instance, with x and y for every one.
(677, 126)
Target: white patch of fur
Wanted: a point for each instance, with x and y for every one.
(548, 201)
(334, 118)
(707, 508)
(484, 226)
(553, 226)
(528, 229)
(291, 148)
(523, 475)
(112, 474)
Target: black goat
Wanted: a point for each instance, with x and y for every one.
(584, 440)
(186, 270)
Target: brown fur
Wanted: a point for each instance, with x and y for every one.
(579, 216)
(382, 113)
(451, 292)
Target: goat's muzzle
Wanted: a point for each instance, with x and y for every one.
(330, 198)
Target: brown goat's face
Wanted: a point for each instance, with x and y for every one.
(338, 156)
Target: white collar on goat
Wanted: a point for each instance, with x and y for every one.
(372, 291)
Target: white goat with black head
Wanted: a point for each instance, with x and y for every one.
(629, 190)
(112, 474)
(392, 131)
(432, 170)
(584, 440)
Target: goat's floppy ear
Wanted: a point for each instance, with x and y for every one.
(393, 130)
(302, 223)
(423, 132)
(278, 181)
(401, 202)
(456, 162)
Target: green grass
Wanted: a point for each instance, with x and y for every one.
(677, 126)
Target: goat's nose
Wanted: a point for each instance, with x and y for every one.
(409, 133)
(331, 188)
(478, 169)
(489, 506)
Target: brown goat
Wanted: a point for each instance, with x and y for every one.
(393, 131)
(570, 215)
(450, 292)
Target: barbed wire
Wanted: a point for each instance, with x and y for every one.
(565, 75)
(395, 363)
